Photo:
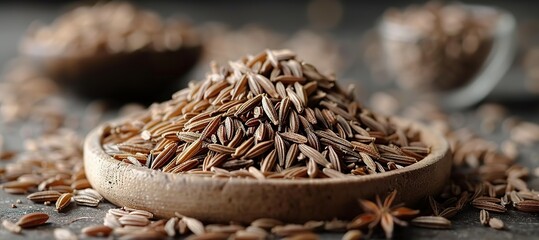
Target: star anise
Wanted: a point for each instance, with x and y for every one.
(383, 214)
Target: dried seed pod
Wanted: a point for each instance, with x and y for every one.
(63, 201)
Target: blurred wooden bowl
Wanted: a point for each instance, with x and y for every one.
(142, 75)
(244, 200)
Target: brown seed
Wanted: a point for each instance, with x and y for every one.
(44, 196)
(63, 201)
(221, 148)
(189, 152)
(293, 137)
(259, 149)
(449, 212)
(250, 104)
(97, 231)
(490, 206)
(33, 220)
(269, 109)
(315, 155)
(531, 206)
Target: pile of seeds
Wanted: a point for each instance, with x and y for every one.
(111, 28)
(436, 46)
(20, 79)
(485, 175)
(128, 223)
(265, 116)
(51, 168)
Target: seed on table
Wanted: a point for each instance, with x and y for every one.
(44, 196)
(63, 201)
(33, 220)
(85, 200)
(12, 227)
(531, 206)
(134, 220)
(64, 234)
(97, 231)
(496, 223)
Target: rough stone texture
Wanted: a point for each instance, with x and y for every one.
(15, 17)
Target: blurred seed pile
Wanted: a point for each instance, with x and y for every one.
(436, 46)
(109, 28)
(485, 175)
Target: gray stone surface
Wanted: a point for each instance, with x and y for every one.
(15, 17)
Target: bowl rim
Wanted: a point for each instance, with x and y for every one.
(437, 152)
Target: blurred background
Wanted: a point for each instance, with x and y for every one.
(337, 36)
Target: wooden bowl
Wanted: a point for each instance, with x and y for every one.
(243, 200)
(142, 75)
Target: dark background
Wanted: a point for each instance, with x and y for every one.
(358, 17)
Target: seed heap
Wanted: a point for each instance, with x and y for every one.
(111, 28)
(444, 47)
(272, 114)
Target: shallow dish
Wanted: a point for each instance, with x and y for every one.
(142, 75)
(244, 200)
